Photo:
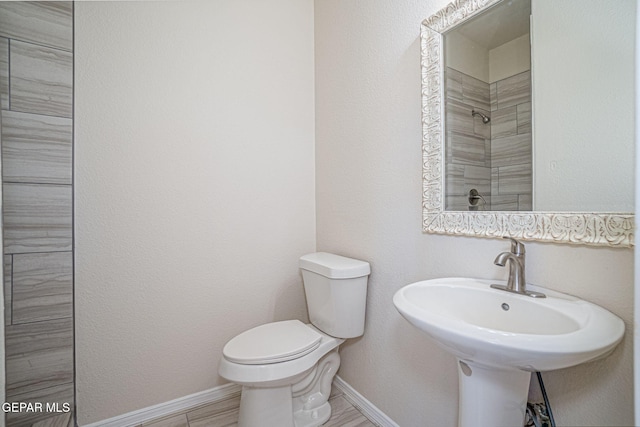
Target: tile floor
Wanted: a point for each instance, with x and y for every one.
(62, 420)
(225, 414)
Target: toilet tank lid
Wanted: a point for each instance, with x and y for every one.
(334, 266)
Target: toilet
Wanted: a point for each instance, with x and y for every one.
(286, 368)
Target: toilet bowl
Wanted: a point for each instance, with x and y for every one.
(292, 391)
(286, 368)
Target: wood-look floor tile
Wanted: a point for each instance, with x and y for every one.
(41, 79)
(225, 414)
(343, 414)
(62, 420)
(37, 218)
(42, 286)
(43, 22)
(218, 414)
(36, 148)
(171, 421)
(224, 419)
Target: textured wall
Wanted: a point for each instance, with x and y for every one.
(368, 145)
(564, 72)
(195, 188)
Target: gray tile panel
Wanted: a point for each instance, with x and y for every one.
(524, 117)
(36, 148)
(512, 150)
(42, 286)
(37, 218)
(47, 23)
(507, 202)
(40, 79)
(38, 356)
(8, 271)
(466, 149)
(36, 77)
(475, 93)
(514, 90)
(525, 202)
(458, 117)
(515, 179)
(57, 395)
(4, 73)
(504, 122)
(453, 84)
(478, 177)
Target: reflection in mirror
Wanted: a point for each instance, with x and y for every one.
(581, 185)
(487, 70)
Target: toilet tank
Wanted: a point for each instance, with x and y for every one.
(336, 290)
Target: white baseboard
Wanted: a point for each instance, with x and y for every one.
(227, 391)
(367, 408)
(182, 404)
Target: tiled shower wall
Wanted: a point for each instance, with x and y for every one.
(36, 70)
(511, 143)
(493, 158)
(468, 140)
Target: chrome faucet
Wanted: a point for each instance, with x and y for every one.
(516, 282)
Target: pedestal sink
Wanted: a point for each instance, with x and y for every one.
(499, 338)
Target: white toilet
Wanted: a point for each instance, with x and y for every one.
(286, 368)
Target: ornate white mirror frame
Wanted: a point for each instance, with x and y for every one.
(584, 228)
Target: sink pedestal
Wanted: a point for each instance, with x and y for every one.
(491, 396)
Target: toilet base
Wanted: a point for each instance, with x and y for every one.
(314, 417)
(266, 406)
(303, 404)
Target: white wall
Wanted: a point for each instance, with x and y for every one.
(577, 122)
(465, 55)
(369, 169)
(636, 264)
(510, 59)
(195, 188)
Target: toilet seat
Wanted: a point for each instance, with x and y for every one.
(272, 343)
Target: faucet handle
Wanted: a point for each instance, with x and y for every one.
(517, 247)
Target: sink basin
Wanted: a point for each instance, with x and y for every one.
(497, 328)
(499, 337)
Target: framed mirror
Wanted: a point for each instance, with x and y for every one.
(580, 162)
